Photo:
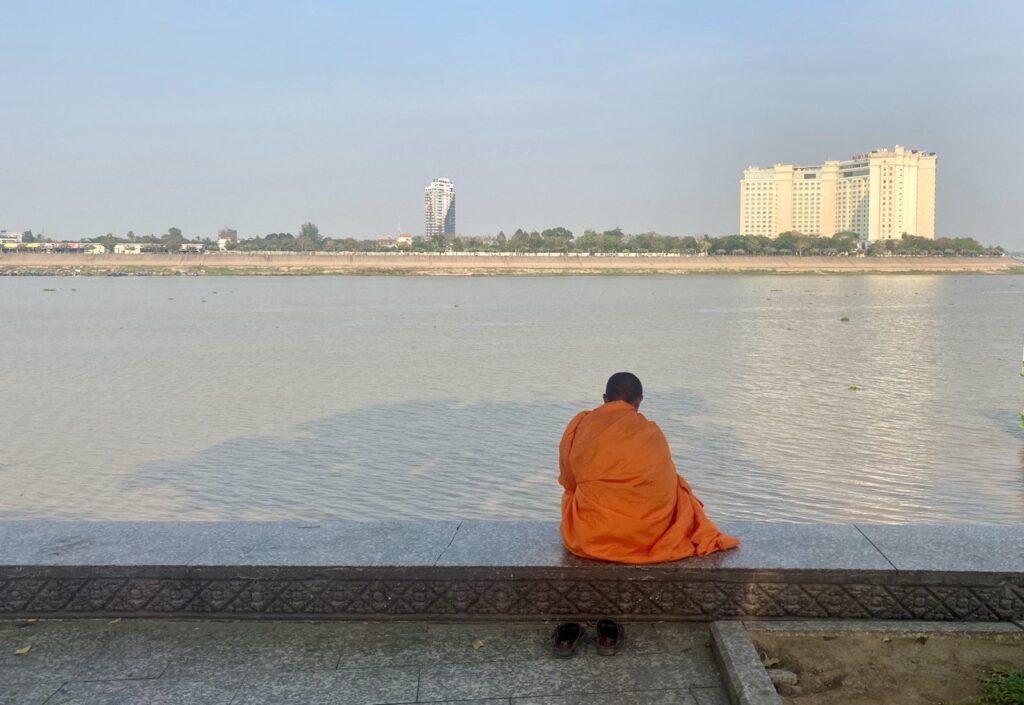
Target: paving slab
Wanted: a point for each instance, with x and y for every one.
(506, 680)
(680, 671)
(710, 696)
(955, 548)
(68, 650)
(646, 697)
(510, 543)
(367, 686)
(150, 692)
(362, 645)
(27, 694)
(394, 644)
(101, 543)
(191, 650)
(288, 543)
(680, 636)
(477, 643)
(777, 546)
(328, 543)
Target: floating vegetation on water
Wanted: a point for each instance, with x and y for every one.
(854, 388)
(49, 290)
(845, 319)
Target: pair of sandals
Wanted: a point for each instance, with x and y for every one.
(567, 638)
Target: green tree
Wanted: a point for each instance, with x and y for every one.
(520, 241)
(173, 239)
(108, 241)
(611, 240)
(556, 239)
(589, 241)
(309, 238)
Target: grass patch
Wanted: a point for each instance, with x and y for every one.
(1001, 689)
(845, 319)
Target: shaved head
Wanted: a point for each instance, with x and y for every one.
(624, 386)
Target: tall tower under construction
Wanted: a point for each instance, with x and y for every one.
(440, 208)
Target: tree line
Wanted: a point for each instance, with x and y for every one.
(560, 240)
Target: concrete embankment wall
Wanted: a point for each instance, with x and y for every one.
(469, 264)
(500, 570)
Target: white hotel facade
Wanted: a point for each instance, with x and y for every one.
(879, 195)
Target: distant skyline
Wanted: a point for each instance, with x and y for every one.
(261, 116)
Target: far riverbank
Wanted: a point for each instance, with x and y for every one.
(231, 263)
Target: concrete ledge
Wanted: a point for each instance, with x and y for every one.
(480, 570)
(745, 678)
(907, 628)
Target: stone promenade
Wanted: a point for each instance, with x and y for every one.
(183, 662)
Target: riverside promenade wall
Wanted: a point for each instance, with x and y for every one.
(475, 570)
(336, 263)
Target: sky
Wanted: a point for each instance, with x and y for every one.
(642, 115)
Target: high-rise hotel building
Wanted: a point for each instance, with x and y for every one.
(440, 208)
(879, 195)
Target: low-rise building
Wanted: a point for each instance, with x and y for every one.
(131, 248)
(12, 237)
(226, 237)
(403, 241)
(194, 247)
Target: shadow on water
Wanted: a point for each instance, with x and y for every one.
(1006, 420)
(421, 459)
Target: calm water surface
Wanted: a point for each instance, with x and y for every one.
(273, 398)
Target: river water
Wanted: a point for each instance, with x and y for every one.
(440, 397)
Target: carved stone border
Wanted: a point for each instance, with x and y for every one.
(472, 594)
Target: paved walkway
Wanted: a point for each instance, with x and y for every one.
(165, 662)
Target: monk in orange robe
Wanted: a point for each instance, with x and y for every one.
(624, 500)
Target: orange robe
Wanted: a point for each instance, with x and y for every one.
(624, 500)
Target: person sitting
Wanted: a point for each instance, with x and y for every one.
(624, 501)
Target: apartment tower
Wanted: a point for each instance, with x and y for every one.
(440, 208)
(879, 195)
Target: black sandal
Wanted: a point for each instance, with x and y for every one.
(566, 639)
(610, 636)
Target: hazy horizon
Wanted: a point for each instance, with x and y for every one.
(125, 116)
